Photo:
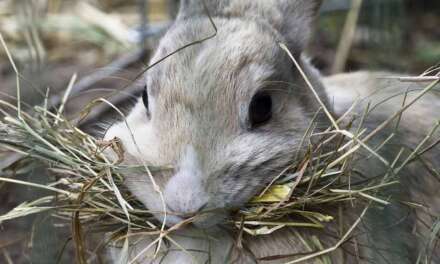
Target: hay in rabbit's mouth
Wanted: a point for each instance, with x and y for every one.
(86, 187)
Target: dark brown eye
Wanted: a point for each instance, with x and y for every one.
(145, 97)
(260, 109)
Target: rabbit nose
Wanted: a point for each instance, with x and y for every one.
(185, 191)
(185, 196)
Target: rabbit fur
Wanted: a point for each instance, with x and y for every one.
(197, 122)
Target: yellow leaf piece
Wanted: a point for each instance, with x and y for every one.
(275, 193)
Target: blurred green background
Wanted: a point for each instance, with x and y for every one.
(394, 35)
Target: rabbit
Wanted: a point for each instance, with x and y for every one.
(228, 114)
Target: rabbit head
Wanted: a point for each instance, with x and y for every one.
(227, 114)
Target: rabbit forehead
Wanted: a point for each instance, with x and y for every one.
(240, 46)
(219, 75)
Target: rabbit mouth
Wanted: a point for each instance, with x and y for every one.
(200, 220)
(203, 218)
(209, 219)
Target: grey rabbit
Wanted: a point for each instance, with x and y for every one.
(229, 113)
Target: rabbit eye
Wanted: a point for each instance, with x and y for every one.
(145, 97)
(260, 109)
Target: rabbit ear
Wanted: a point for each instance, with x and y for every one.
(294, 19)
(298, 21)
(189, 8)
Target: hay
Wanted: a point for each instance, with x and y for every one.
(87, 187)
